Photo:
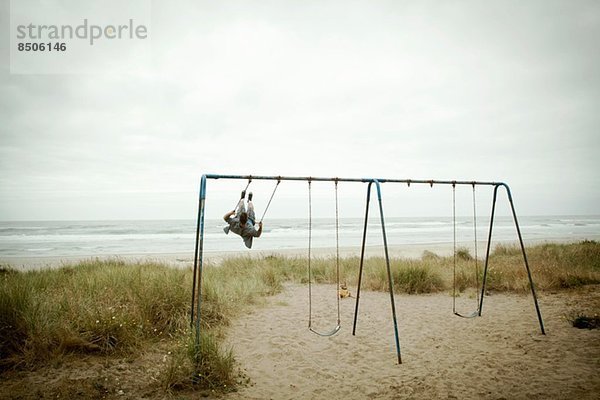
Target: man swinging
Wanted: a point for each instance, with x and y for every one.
(242, 222)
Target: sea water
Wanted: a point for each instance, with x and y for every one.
(95, 238)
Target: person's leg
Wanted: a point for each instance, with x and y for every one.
(251, 215)
(240, 208)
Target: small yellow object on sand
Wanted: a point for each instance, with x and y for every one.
(344, 292)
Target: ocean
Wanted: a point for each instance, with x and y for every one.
(100, 238)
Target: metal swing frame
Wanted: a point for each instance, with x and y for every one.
(196, 303)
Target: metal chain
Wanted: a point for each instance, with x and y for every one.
(337, 247)
(245, 189)
(475, 238)
(269, 203)
(337, 328)
(454, 248)
(309, 255)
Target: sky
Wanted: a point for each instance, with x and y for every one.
(493, 91)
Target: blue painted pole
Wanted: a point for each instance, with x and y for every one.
(535, 300)
(198, 260)
(389, 270)
(359, 180)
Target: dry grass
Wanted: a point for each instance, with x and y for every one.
(553, 266)
(93, 307)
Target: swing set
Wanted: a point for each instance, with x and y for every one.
(199, 248)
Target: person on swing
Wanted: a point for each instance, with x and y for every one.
(242, 222)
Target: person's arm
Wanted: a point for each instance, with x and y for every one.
(228, 215)
(259, 231)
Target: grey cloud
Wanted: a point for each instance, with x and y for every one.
(501, 90)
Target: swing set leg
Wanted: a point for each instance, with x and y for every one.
(487, 255)
(535, 300)
(362, 258)
(198, 261)
(487, 251)
(387, 260)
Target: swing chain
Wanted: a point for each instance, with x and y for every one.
(309, 253)
(244, 191)
(337, 249)
(454, 247)
(475, 245)
(337, 327)
(476, 313)
(271, 198)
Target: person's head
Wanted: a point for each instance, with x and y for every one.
(243, 218)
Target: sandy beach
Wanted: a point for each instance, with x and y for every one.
(183, 260)
(501, 355)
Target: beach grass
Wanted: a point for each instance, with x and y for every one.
(114, 308)
(95, 306)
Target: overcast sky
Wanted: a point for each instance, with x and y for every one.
(476, 90)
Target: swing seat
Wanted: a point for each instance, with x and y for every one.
(327, 334)
(475, 313)
(472, 315)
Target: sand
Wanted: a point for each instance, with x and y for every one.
(184, 260)
(501, 355)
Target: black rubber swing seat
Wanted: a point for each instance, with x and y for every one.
(472, 315)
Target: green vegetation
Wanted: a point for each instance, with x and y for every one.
(93, 307)
(111, 308)
(553, 266)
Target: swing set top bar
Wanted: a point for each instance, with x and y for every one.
(362, 180)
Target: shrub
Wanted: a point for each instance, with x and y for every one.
(462, 253)
(212, 367)
(416, 280)
(585, 322)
